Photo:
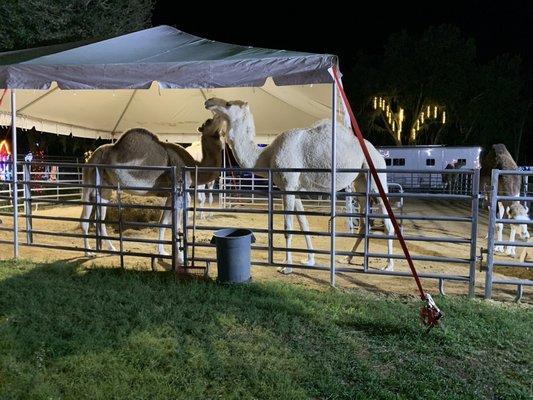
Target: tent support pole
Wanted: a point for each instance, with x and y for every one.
(333, 196)
(14, 173)
(122, 114)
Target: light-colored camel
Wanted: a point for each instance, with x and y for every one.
(308, 148)
(195, 150)
(508, 185)
(139, 147)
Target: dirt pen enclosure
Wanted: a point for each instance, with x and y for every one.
(312, 277)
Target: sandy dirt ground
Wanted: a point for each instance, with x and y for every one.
(307, 277)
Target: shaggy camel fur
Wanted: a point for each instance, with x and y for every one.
(139, 147)
(508, 185)
(308, 148)
(195, 150)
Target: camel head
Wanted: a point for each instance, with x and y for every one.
(519, 212)
(213, 131)
(231, 111)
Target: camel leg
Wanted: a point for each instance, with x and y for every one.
(103, 230)
(499, 229)
(166, 216)
(210, 186)
(288, 205)
(360, 230)
(86, 214)
(348, 205)
(389, 228)
(166, 219)
(511, 250)
(304, 226)
(201, 198)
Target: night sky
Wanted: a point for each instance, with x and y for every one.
(497, 26)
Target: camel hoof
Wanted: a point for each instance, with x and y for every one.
(499, 249)
(285, 270)
(310, 262)
(90, 254)
(349, 260)
(388, 267)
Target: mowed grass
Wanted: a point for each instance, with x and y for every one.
(67, 332)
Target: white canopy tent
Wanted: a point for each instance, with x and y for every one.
(103, 88)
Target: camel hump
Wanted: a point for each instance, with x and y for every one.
(137, 134)
(504, 160)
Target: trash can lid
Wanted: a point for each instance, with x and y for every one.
(232, 233)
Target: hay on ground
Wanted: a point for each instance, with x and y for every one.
(133, 214)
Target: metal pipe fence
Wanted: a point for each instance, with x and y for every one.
(256, 201)
(493, 244)
(68, 186)
(266, 251)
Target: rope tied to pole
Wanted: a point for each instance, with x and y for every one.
(430, 314)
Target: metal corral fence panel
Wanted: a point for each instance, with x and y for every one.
(265, 250)
(67, 189)
(526, 197)
(48, 184)
(63, 186)
(242, 188)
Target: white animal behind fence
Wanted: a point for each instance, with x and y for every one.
(306, 148)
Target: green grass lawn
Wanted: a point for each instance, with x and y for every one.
(66, 332)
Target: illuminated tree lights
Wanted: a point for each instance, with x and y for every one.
(394, 121)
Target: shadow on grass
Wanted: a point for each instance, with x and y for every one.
(123, 333)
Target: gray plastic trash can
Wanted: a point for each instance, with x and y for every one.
(234, 246)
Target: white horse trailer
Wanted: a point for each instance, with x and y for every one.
(427, 158)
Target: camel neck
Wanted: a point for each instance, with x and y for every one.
(211, 157)
(243, 145)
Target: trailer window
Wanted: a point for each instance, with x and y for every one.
(461, 162)
(430, 162)
(398, 161)
(388, 162)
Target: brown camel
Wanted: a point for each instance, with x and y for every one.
(139, 147)
(508, 185)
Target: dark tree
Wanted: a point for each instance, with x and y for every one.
(444, 95)
(31, 23)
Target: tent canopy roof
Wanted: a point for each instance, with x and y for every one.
(128, 76)
(163, 54)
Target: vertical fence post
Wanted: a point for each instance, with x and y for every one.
(333, 194)
(174, 205)
(492, 227)
(253, 188)
(367, 210)
(224, 176)
(120, 224)
(26, 176)
(473, 232)
(270, 219)
(98, 209)
(185, 205)
(14, 173)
